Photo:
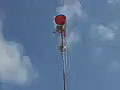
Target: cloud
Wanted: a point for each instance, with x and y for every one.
(114, 66)
(102, 32)
(15, 67)
(73, 10)
(72, 38)
(113, 1)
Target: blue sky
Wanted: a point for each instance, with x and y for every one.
(93, 38)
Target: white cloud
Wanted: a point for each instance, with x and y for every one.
(73, 38)
(114, 66)
(113, 1)
(73, 10)
(14, 66)
(102, 32)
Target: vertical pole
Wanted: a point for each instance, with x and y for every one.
(64, 60)
(65, 88)
(64, 70)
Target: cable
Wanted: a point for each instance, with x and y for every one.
(68, 61)
(64, 65)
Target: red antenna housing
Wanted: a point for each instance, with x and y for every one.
(60, 19)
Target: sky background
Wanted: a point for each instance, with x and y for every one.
(33, 61)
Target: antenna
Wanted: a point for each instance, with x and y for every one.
(62, 30)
